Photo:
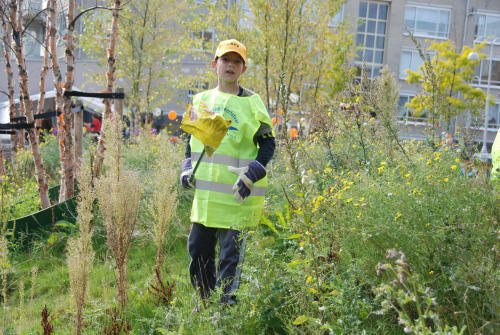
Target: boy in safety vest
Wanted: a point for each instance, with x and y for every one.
(230, 185)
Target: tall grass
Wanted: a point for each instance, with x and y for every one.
(118, 193)
(80, 254)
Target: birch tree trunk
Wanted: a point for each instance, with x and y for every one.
(68, 166)
(78, 123)
(27, 105)
(61, 121)
(110, 80)
(7, 40)
(10, 87)
(45, 70)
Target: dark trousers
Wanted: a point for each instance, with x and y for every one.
(204, 276)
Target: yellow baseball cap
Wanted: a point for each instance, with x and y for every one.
(231, 45)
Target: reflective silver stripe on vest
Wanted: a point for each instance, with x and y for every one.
(221, 159)
(225, 188)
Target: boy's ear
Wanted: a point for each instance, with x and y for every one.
(214, 64)
(244, 69)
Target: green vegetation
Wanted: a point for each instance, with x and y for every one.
(332, 216)
(362, 233)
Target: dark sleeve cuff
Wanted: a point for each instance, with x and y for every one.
(187, 154)
(266, 149)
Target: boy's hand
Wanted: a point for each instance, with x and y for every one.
(187, 173)
(247, 176)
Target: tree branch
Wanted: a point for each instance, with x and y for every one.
(33, 19)
(71, 25)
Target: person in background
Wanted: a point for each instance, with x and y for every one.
(95, 126)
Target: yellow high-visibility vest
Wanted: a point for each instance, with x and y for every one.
(214, 204)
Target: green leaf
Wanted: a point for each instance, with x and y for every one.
(265, 221)
(294, 236)
(299, 261)
(281, 219)
(300, 320)
(64, 223)
(52, 239)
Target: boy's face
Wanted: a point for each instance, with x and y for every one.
(229, 67)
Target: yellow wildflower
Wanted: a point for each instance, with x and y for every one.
(453, 167)
(398, 215)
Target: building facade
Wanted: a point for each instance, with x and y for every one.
(380, 29)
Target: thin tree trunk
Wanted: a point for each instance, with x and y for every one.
(67, 171)
(45, 70)
(266, 62)
(59, 103)
(78, 121)
(137, 82)
(10, 94)
(7, 39)
(283, 58)
(28, 107)
(110, 80)
(61, 126)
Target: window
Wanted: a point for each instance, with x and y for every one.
(406, 114)
(427, 21)
(371, 37)
(337, 19)
(493, 119)
(482, 70)
(61, 29)
(31, 42)
(494, 116)
(487, 25)
(410, 60)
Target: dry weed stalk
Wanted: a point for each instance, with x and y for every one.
(118, 192)
(47, 326)
(164, 199)
(4, 270)
(21, 303)
(117, 325)
(34, 273)
(80, 253)
(163, 210)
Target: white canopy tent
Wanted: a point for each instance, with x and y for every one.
(92, 103)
